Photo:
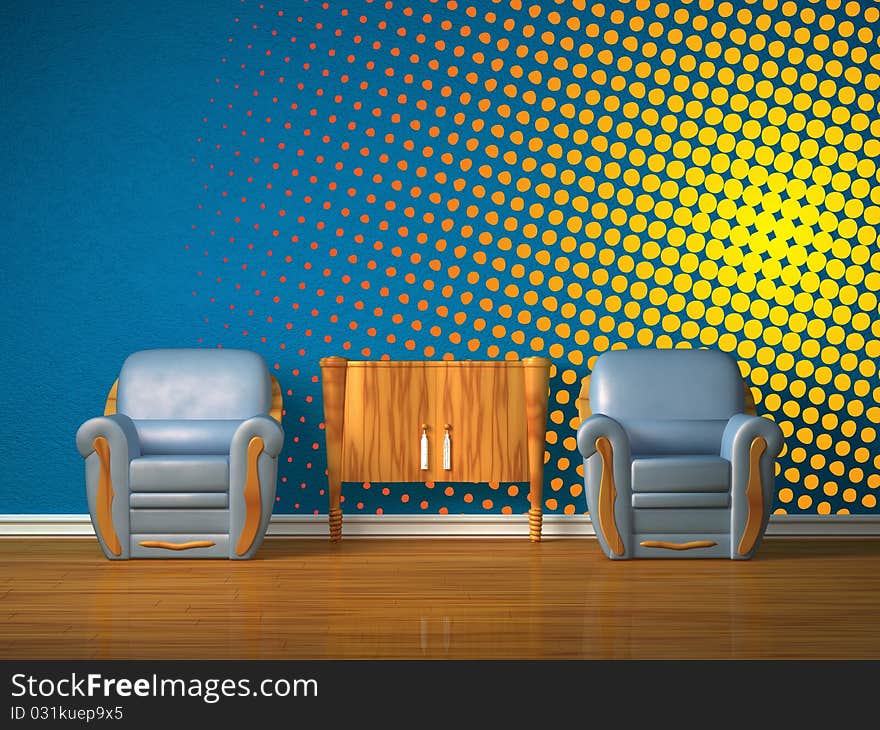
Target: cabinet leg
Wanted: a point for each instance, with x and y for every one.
(537, 383)
(335, 524)
(536, 519)
(333, 374)
(335, 511)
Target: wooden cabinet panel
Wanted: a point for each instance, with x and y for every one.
(374, 411)
(385, 408)
(485, 406)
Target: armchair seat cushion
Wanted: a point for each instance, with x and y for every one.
(687, 473)
(647, 523)
(185, 436)
(175, 473)
(178, 500)
(677, 500)
(179, 521)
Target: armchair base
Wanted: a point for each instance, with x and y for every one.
(681, 545)
(179, 546)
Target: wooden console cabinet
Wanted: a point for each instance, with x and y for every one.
(375, 413)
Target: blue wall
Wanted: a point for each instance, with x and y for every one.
(443, 179)
(100, 106)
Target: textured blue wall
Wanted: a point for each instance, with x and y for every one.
(443, 179)
(100, 104)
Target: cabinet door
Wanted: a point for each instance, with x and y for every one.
(485, 406)
(385, 406)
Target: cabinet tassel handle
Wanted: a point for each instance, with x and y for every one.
(447, 449)
(424, 447)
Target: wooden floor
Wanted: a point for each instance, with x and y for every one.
(462, 599)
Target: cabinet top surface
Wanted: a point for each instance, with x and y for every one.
(528, 361)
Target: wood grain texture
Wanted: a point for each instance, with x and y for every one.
(162, 545)
(440, 599)
(485, 407)
(536, 385)
(110, 404)
(749, 408)
(276, 410)
(438, 364)
(583, 400)
(385, 408)
(754, 498)
(495, 413)
(693, 544)
(333, 376)
(607, 497)
(253, 499)
(104, 498)
(387, 402)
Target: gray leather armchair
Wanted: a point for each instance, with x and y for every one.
(184, 461)
(676, 463)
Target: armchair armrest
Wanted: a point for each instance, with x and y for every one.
(599, 425)
(742, 429)
(253, 465)
(108, 444)
(605, 446)
(119, 431)
(266, 428)
(751, 445)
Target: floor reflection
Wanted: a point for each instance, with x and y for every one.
(441, 599)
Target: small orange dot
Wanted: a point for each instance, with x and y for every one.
(469, 498)
(404, 498)
(487, 504)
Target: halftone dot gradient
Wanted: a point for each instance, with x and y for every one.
(497, 180)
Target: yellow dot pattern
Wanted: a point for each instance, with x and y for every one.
(515, 178)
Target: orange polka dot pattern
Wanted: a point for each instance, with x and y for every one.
(496, 180)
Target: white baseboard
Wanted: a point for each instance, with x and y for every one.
(441, 526)
(46, 526)
(824, 526)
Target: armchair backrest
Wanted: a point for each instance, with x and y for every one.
(669, 401)
(667, 384)
(194, 384)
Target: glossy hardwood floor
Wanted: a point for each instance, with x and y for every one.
(461, 599)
